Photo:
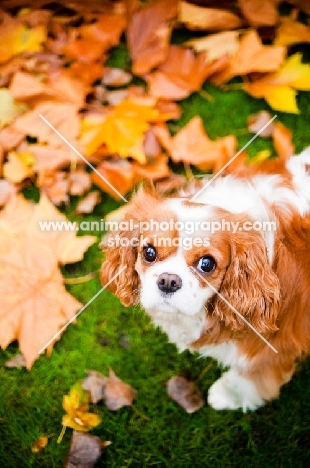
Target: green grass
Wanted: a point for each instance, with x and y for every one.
(275, 436)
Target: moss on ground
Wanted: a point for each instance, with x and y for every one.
(156, 432)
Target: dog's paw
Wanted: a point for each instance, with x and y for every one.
(233, 391)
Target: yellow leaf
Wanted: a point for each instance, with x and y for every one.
(122, 130)
(15, 170)
(292, 32)
(279, 88)
(16, 38)
(9, 108)
(76, 406)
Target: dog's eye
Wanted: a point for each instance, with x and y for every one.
(206, 264)
(149, 253)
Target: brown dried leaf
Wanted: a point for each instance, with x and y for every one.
(182, 73)
(148, 34)
(117, 393)
(87, 204)
(200, 18)
(120, 174)
(79, 182)
(185, 393)
(116, 77)
(260, 12)
(252, 56)
(85, 450)
(256, 122)
(55, 185)
(16, 361)
(157, 169)
(95, 383)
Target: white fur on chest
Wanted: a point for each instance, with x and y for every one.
(183, 330)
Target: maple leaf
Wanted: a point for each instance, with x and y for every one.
(191, 145)
(18, 167)
(16, 38)
(35, 303)
(76, 405)
(182, 73)
(9, 108)
(252, 56)
(260, 12)
(148, 34)
(200, 18)
(279, 88)
(122, 130)
(292, 32)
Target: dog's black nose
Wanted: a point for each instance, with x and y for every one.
(169, 283)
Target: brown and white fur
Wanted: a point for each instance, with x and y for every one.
(263, 275)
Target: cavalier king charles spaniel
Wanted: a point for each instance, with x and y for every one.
(224, 269)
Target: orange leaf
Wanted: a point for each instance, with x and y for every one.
(282, 140)
(201, 18)
(119, 174)
(182, 73)
(152, 170)
(148, 34)
(252, 56)
(260, 12)
(292, 32)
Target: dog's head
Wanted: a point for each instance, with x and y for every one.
(176, 262)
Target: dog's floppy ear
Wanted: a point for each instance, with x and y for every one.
(250, 286)
(120, 251)
(120, 247)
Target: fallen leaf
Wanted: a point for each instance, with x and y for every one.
(63, 116)
(117, 393)
(10, 138)
(148, 34)
(76, 405)
(9, 108)
(182, 73)
(16, 361)
(39, 444)
(291, 32)
(201, 18)
(185, 393)
(16, 38)
(85, 450)
(88, 203)
(116, 77)
(157, 169)
(282, 140)
(191, 145)
(48, 158)
(95, 383)
(79, 182)
(252, 56)
(120, 174)
(55, 185)
(256, 122)
(15, 170)
(279, 88)
(260, 12)
(216, 45)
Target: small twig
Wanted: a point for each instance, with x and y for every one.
(140, 414)
(80, 279)
(204, 94)
(203, 372)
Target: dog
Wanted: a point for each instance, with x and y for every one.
(239, 293)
